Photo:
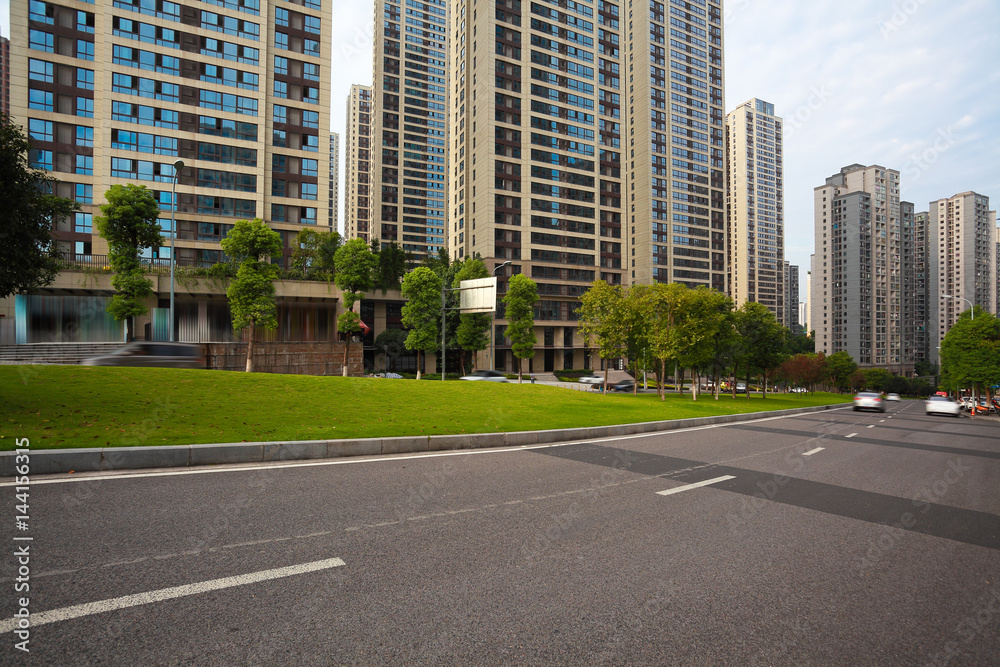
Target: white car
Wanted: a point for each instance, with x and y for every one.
(892, 397)
(942, 405)
(591, 379)
(869, 400)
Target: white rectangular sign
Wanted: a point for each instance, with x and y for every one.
(479, 295)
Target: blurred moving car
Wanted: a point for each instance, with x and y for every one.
(741, 387)
(153, 354)
(869, 400)
(591, 379)
(489, 376)
(799, 390)
(624, 385)
(892, 397)
(941, 405)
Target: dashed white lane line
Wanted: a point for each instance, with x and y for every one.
(688, 487)
(871, 426)
(76, 611)
(814, 451)
(882, 420)
(850, 435)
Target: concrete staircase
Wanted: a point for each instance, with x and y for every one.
(53, 353)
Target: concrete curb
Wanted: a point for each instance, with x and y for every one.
(51, 461)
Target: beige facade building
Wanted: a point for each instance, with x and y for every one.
(864, 254)
(358, 155)
(333, 219)
(411, 124)
(962, 262)
(675, 144)
(755, 209)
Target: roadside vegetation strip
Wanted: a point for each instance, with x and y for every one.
(63, 407)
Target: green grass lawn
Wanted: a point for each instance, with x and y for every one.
(83, 406)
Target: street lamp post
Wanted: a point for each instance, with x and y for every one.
(178, 165)
(493, 325)
(972, 307)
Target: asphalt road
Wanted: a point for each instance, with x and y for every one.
(836, 538)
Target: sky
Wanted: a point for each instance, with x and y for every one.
(912, 85)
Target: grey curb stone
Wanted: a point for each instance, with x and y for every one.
(51, 461)
(131, 458)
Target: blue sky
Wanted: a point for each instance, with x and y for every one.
(912, 85)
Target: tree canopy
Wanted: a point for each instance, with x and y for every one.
(473, 332)
(422, 311)
(970, 353)
(28, 254)
(521, 297)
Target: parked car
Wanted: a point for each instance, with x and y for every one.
(591, 379)
(741, 387)
(869, 400)
(489, 376)
(154, 354)
(941, 405)
(892, 397)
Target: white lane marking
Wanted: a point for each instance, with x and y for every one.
(882, 420)
(389, 457)
(872, 426)
(814, 451)
(688, 487)
(76, 611)
(850, 435)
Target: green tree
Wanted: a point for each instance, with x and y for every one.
(251, 244)
(355, 270)
(970, 353)
(634, 310)
(800, 343)
(521, 297)
(421, 313)
(130, 225)
(313, 256)
(666, 302)
(473, 333)
(599, 321)
(28, 254)
(391, 266)
(762, 341)
(392, 342)
(876, 379)
(839, 369)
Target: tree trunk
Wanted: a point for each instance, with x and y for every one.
(129, 329)
(764, 377)
(347, 352)
(519, 360)
(253, 329)
(660, 374)
(419, 355)
(695, 382)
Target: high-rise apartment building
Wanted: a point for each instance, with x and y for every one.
(358, 154)
(755, 240)
(332, 216)
(4, 75)
(536, 153)
(410, 132)
(673, 151)
(236, 89)
(791, 298)
(860, 267)
(922, 245)
(962, 263)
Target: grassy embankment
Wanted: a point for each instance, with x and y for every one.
(82, 406)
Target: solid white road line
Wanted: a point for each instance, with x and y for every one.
(850, 435)
(814, 451)
(696, 485)
(76, 611)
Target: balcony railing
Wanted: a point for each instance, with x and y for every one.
(102, 261)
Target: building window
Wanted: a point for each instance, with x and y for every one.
(277, 213)
(83, 223)
(281, 89)
(39, 159)
(84, 107)
(40, 70)
(84, 165)
(281, 17)
(280, 65)
(311, 46)
(85, 22)
(309, 190)
(84, 193)
(280, 40)
(280, 114)
(84, 135)
(40, 99)
(313, 24)
(278, 163)
(307, 215)
(310, 167)
(310, 71)
(310, 119)
(40, 130)
(277, 188)
(41, 41)
(84, 78)
(310, 142)
(41, 12)
(280, 139)
(84, 49)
